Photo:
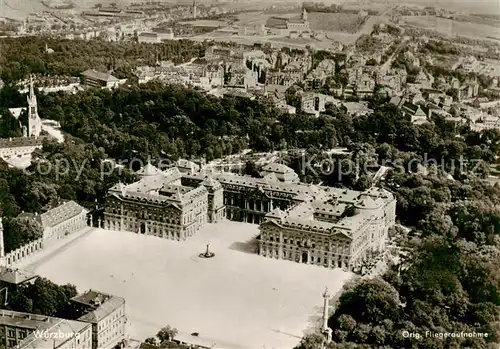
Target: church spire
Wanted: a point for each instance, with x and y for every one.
(32, 90)
(34, 122)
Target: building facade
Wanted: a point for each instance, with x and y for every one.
(63, 220)
(106, 313)
(17, 330)
(301, 222)
(160, 204)
(336, 231)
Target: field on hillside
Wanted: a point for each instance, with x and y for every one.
(453, 28)
(335, 22)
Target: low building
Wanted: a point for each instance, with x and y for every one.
(16, 277)
(418, 114)
(282, 172)
(19, 146)
(17, 330)
(148, 38)
(94, 78)
(186, 166)
(106, 314)
(63, 220)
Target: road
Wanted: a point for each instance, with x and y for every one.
(387, 65)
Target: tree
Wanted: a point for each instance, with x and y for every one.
(42, 297)
(20, 231)
(370, 301)
(166, 334)
(312, 341)
(151, 340)
(250, 169)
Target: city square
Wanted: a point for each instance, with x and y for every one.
(236, 299)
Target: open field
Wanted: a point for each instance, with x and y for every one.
(453, 28)
(259, 17)
(335, 22)
(205, 23)
(236, 299)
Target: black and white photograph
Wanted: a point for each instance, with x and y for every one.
(230, 174)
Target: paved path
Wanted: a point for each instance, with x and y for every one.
(32, 262)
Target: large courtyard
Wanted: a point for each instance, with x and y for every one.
(235, 300)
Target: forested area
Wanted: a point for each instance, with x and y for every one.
(41, 297)
(20, 57)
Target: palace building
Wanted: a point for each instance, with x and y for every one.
(159, 204)
(300, 222)
(337, 230)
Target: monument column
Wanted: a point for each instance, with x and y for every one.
(2, 248)
(326, 330)
(121, 217)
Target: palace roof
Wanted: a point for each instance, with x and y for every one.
(327, 215)
(148, 170)
(277, 168)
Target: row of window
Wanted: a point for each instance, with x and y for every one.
(308, 244)
(313, 260)
(120, 312)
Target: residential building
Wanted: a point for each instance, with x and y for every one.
(148, 38)
(106, 313)
(15, 277)
(17, 330)
(94, 78)
(470, 64)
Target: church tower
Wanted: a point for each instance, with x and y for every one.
(2, 248)
(34, 122)
(304, 14)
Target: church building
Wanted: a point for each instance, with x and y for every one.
(34, 127)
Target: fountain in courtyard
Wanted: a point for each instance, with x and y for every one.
(207, 253)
